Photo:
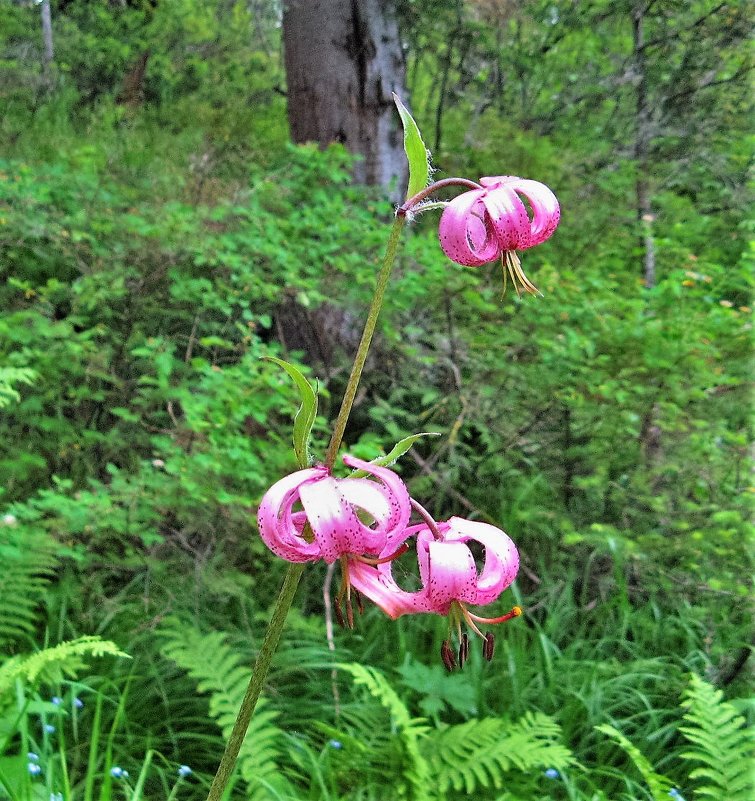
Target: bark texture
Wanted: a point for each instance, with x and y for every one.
(343, 59)
(47, 54)
(643, 134)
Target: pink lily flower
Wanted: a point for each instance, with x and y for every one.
(493, 222)
(329, 525)
(450, 578)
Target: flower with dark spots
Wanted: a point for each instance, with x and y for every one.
(450, 579)
(345, 519)
(493, 222)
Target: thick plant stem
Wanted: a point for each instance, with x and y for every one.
(259, 672)
(364, 343)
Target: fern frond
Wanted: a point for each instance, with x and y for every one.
(658, 784)
(721, 743)
(410, 731)
(220, 671)
(9, 378)
(479, 752)
(52, 664)
(27, 564)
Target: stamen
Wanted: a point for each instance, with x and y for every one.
(512, 266)
(447, 655)
(395, 555)
(468, 617)
(488, 647)
(515, 612)
(360, 605)
(427, 517)
(463, 649)
(349, 612)
(339, 613)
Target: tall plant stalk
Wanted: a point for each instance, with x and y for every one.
(294, 573)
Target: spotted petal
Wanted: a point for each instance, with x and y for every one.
(465, 231)
(501, 556)
(280, 530)
(334, 509)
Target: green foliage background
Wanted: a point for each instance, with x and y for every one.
(159, 237)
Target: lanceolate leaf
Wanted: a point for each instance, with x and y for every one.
(397, 451)
(416, 152)
(305, 416)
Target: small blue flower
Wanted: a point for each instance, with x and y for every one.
(78, 703)
(34, 769)
(118, 773)
(32, 757)
(337, 744)
(57, 700)
(552, 773)
(56, 796)
(184, 771)
(675, 794)
(49, 728)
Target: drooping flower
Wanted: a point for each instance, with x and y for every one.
(493, 222)
(184, 771)
(450, 578)
(330, 524)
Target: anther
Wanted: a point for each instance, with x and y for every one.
(360, 605)
(488, 647)
(463, 649)
(447, 655)
(349, 613)
(339, 613)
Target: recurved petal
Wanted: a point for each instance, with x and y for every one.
(334, 523)
(501, 556)
(279, 528)
(465, 231)
(377, 584)
(546, 211)
(509, 218)
(452, 575)
(394, 491)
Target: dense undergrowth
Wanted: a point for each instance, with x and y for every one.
(153, 251)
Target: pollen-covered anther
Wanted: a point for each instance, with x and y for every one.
(488, 647)
(448, 656)
(463, 649)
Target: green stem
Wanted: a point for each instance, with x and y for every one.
(364, 344)
(259, 672)
(291, 582)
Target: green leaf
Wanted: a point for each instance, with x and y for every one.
(306, 414)
(417, 154)
(396, 452)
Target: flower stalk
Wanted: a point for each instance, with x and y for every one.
(259, 673)
(364, 344)
(294, 573)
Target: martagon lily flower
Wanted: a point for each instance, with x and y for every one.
(328, 522)
(493, 222)
(450, 579)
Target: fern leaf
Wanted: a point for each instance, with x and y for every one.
(411, 731)
(28, 562)
(478, 753)
(52, 664)
(658, 784)
(722, 744)
(219, 671)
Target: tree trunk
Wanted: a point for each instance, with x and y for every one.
(343, 59)
(643, 133)
(47, 53)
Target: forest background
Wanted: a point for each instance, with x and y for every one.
(159, 234)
